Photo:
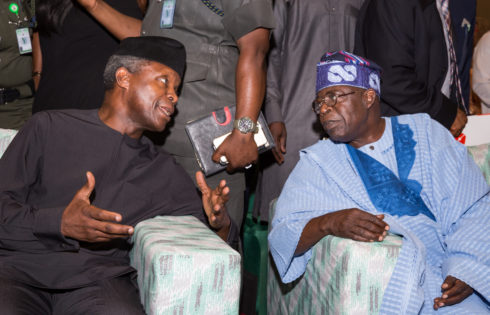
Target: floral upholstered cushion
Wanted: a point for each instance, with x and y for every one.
(184, 267)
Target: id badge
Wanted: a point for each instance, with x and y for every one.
(24, 40)
(168, 10)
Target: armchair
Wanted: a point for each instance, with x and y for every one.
(342, 277)
(345, 276)
(184, 268)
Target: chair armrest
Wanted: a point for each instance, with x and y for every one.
(6, 136)
(481, 155)
(184, 268)
(342, 277)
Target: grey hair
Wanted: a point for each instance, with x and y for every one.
(133, 64)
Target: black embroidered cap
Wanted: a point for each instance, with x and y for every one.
(163, 50)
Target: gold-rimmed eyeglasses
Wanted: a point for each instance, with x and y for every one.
(330, 100)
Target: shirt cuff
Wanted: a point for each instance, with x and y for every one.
(473, 273)
(233, 236)
(283, 241)
(47, 228)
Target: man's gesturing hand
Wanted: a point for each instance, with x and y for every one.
(84, 222)
(214, 202)
(357, 225)
(453, 292)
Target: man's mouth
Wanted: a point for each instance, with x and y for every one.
(165, 111)
(329, 123)
(168, 111)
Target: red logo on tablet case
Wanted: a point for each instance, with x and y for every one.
(461, 138)
(227, 115)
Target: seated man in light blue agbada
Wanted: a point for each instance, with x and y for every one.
(405, 175)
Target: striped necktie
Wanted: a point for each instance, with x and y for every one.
(455, 83)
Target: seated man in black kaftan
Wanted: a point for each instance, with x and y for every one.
(74, 183)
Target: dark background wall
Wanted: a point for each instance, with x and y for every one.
(483, 8)
(482, 17)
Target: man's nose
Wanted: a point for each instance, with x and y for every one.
(325, 109)
(173, 97)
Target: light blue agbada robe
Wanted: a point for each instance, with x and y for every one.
(456, 243)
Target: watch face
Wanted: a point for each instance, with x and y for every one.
(245, 125)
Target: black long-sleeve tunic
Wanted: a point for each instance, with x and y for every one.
(42, 170)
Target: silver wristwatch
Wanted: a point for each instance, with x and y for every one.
(245, 125)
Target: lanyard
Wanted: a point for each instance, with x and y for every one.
(213, 8)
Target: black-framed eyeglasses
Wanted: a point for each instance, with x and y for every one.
(330, 100)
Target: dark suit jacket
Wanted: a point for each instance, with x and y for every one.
(406, 38)
(463, 39)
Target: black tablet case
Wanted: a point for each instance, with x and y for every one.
(204, 130)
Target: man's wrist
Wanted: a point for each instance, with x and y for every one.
(226, 224)
(243, 136)
(245, 125)
(325, 225)
(93, 7)
(224, 230)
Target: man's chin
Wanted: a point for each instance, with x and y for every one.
(335, 136)
(159, 127)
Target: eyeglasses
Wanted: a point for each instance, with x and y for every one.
(330, 100)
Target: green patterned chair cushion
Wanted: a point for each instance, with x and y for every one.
(6, 136)
(339, 279)
(481, 155)
(184, 268)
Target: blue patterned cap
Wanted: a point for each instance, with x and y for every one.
(344, 68)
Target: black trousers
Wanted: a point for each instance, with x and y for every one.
(110, 296)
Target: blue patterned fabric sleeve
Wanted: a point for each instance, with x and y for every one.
(308, 193)
(464, 211)
(287, 227)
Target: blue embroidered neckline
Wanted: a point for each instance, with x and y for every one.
(389, 194)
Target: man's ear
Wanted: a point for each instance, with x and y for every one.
(369, 97)
(122, 77)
